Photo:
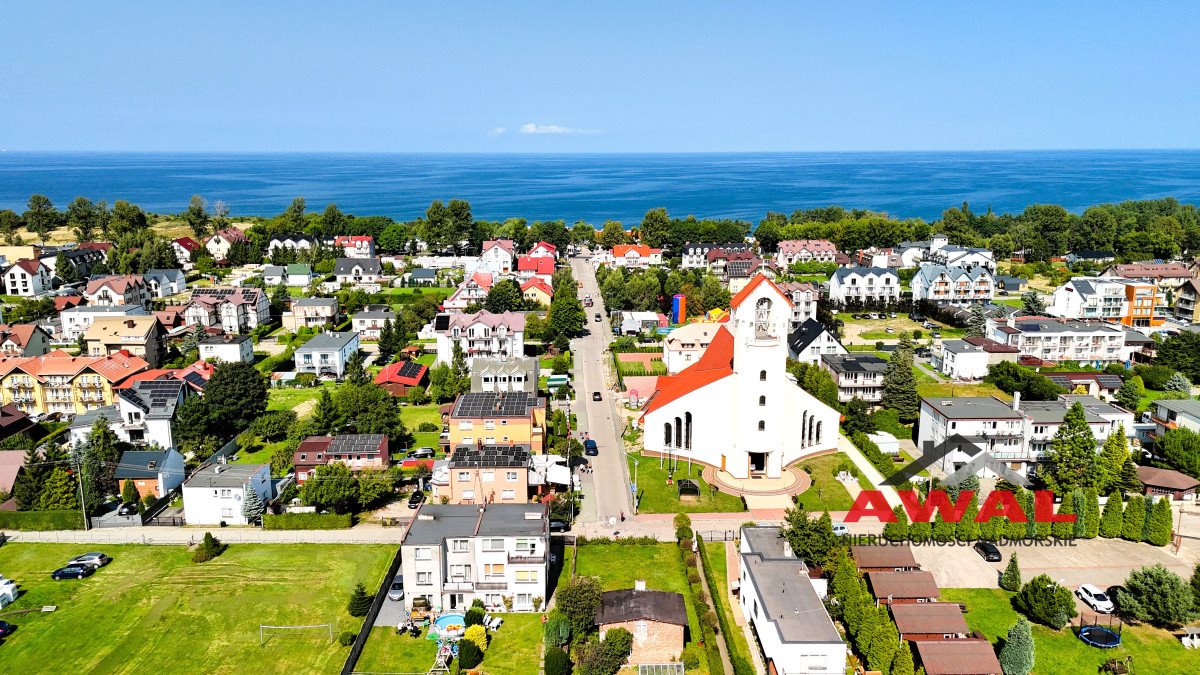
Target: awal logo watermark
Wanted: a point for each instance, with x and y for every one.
(981, 459)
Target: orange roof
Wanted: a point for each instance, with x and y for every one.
(715, 364)
(62, 302)
(538, 283)
(19, 333)
(114, 368)
(155, 374)
(644, 251)
(754, 283)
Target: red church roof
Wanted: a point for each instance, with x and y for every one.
(716, 363)
(753, 284)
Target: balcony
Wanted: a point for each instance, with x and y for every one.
(516, 559)
(492, 586)
(458, 586)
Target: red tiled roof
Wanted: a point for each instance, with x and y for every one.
(62, 302)
(546, 245)
(643, 251)
(538, 283)
(231, 235)
(506, 244)
(537, 265)
(715, 364)
(391, 373)
(958, 657)
(119, 283)
(19, 333)
(1166, 478)
(814, 245)
(101, 246)
(188, 244)
(753, 284)
(30, 265)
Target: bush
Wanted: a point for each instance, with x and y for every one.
(1157, 595)
(40, 521)
(307, 521)
(209, 548)
(1154, 377)
(428, 427)
(693, 576)
(1010, 580)
(360, 602)
(557, 632)
(690, 657)
(478, 635)
(469, 654)
(148, 501)
(273, 425)
(346, 638)
(473, 617)
(1045, 602)
(557, 662)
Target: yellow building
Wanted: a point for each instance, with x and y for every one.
(497, 419)
(60, 383)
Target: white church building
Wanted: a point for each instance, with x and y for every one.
(737, 408)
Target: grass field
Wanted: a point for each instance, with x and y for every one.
(427, 359)
(439, 292)
(735, 640)
(946, 389)
(825, 493)
(288, 398)
(1153, 650)
(152, 610)
(386, 652)
(657, 497)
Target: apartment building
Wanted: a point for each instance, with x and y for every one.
(310, 313)
(60, 383)
(23, 339)
(233, 310)
(76, 320)
(1175, 414)
(486, 418)
(804, 297)
(1118, 300)
(497, 257)
(227, 348)
(695, 256)
(454, 554)
(1089, 342)
(792, 251)
(856, 375)
(368, 322)
(357, 271)
(953, 285)
(969, 359)
(864, 285)
(327, 354)
(355, 451)
(489, 474)
(535, 267)
(635, 256)
(1165, 275)
(482, 334)
(502, 376)
(27, 278)
(1187, 301)
(138, 335)
(963, 257)
(355, 246)
(471, 291)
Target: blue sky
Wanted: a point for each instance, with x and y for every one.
(597, 77)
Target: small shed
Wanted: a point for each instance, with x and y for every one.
(1176, 485)
(656, 619)
(886, 442)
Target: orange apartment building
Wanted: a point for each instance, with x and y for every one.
(497, 419)
(483, 475)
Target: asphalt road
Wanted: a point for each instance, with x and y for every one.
(606, 489)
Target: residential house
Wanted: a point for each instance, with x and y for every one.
(295, 275)
(355, 451)
(227, 348)
(857, 375)
(76, 320)
(153, 472)
(137, 335)
(369, 321)
(471, 291)
(454, 554)
(185, 251)
(12, 462)
(883, 558)
(538, 291)
(792, 251)
(695, 256)
(497, 257)
(1093, 257)
(543, 249)
(877, 257)
(1091, 342)
(810, 341)
(27, 278)
(400, 376)
(930, 621)
(731, 263)
(736, 408)
(497, 418)
(891, 588)
(12, 422)
(685, 345)
(421, 276)
(636, 256)
(292, 242)
(1125, 301)
(117, 289)
(142, 413)
(482, 334)
(962, 360)
(502, 376)
(484, 474)
(965, 257)
(233, 310)
(355, 246)
(80, 260)
(804, 297)
(535, 267)
(162, 282)
(1095, 383)
(357, 271)
(864, 285)
(214, 493)
(219, 244)
(953, 285)
(310, 313)
(1008, 284)
(1165, 275)
(60, 383)
(783, 606)
(1187, 301)
(957, 657)
(327, 353)
(655, 619)
(24, 339)
(1158, 482)
(1170, 414)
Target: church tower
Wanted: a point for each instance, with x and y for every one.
(760, 314)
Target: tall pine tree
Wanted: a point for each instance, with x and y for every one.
(1112, 518)
(900, 384)
(1071, 462)
(1112, 459)
(1017, 656)
(1134, 523)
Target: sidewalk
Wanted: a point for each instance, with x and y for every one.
(868, 470)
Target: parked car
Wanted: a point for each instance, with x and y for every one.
(596, 396)
(916, 316)
(422, 453)
(396, 592)
(889, 330)
(892, 315)
(840, 528)
(6, 629)
(597, 317)
(415, 500)
(72, 572)
(988, 551)
(1095, 598)
(127, 509)
(93, 559)
(590, 449)
(559, 526)
(935, 335)
(928, 324)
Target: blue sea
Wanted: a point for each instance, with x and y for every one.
(599, 187)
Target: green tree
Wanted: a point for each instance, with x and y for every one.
(1158, 532)
(967, 529)
(125, 218)
(1071, 462)
(977, 321)
(360, 602)
(920, 531)
(325, 418)
(578, 599)
(41, 217)
(292, 219)
(903, 663)
(389, 339)
(1113, 517)
(898, 530)
(1129, 481)
(613, 234)
(208, 548)
(196, 216)
(84, 217)
(1130, 394)
(280, 297)
(1180, 352)
(1181, 448)
(356, 369)
(1017, 655)
(129, 493)
(656, 228)
(252, 506)
(1195, 585)
(1010, 580)
(1031, 302)
(1091, 514)
(236, 394)
(899, 383)
(886, 641)
(811, 539)
(1134, 521)
(332, 487)
(369, 409)
(1064, 530)
(1112, 459)
(59, 493)
(1178, 383)
(942, 531)
(1162, 598)
(504, 296)
(1046, 602)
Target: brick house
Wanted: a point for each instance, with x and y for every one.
(356, 451)
(153, 472)
(656, 620)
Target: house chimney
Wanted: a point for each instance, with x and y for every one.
(1016, 399)
(217, 469)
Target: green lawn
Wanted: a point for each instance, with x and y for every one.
(513, 650)
(1153, 650)
(825, 493)
(427, 359)
(386, 652)
(947, 389)
(152, 610)
(413, 415)
(260, 456)
(655, 496)
(439, 292)
(735, 639)
(287, 398)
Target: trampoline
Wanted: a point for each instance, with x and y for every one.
(1100, 636)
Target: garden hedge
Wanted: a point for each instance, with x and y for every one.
(307, 521)
(41, 520)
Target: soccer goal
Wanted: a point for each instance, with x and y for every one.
(265, 631)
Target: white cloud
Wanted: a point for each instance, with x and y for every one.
(498, 131)
(552, 129)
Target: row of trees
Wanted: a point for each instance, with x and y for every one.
(652, 290)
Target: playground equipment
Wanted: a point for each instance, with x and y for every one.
(1100, 636)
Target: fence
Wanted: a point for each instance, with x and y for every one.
(369, 622)
(164, 521)
(719, 535)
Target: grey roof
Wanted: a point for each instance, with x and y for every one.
(1053, 412)
(424, 273)
(437, 522)
(789, 600)
(142, 463)
(931, 272)
(223, 475)
(324, 342)
(157, 398)
(628, 604)
(315, 302)
(375, 312)
(88, 418)
(1064, 326)
(805, 335)
(854, 363)
(959, 346)
(972, 408)
(1007, 281)
(768, 541)
(843, 272)
(1186, 406)
(1094, 405)
(169, 274)
(1084, 287)
(273, 271)
(347, 265)
(1133, 337)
